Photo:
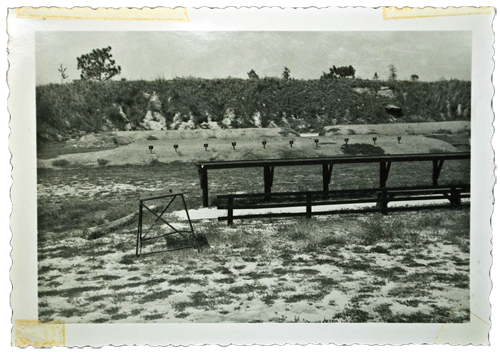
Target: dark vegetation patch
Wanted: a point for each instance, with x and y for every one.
(362, 149)
(155, 296)
(153, 316)
(70, 292)
(207, 300)
(185, 280)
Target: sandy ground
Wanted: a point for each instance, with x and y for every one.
(257, 271)
(101, 281)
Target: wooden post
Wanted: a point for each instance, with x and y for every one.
(437, 165)
(384, 174)
(308, 205)
(327, 176)
(204, 184)
(139, 232)
(455, 200)
(230, 202)
(268, 181)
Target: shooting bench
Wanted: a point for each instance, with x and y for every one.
(189, 235)
(327, 164)
(309, 199)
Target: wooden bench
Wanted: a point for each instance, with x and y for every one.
(380, 196)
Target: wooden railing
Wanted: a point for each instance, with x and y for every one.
(309, 199)
(327, 163)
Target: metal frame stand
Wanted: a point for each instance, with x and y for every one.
(141, 237)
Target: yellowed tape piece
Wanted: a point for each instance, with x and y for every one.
(36, 334)
(393, 13)
(178, 14)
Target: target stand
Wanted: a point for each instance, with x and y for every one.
(188, 236)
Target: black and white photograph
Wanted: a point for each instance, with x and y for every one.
(229, 175)
(236, 177)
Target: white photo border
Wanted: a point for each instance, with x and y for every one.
(21, 79)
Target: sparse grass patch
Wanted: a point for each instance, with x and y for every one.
(204, 300)
(378, 229)
(353, 314)
(312, 235)
(247, 288)
(307, 271)
(158, 295)
(281, 271)
(128, 259)
(225, 280)
(45, 269)
(182, 315)
(380, 249)
(270, 298)
(308, 297)
(107, 277)
(204, 271)
(408, 291)
(100, 320)
(119, 316)
(153, 316)
(185, 280)
(61, 163)
(71, 312)
(409, 302)
(112, 310)
(68, 293)
(102, 162)
(391, 273)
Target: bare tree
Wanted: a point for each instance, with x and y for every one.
(62, 71)
(393, 75)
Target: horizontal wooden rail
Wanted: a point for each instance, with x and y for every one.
(333, 159)
(333, 212)
(344, 191)
(382, 196)
(334, 202)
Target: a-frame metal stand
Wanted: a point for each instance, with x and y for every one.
(189, 235)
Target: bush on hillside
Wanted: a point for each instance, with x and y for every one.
(361, 149)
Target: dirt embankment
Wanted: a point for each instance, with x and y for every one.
(196, 145)
(399, 129)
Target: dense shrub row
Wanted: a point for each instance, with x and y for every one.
(305, 104)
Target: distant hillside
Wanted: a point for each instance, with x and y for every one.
(73, 109)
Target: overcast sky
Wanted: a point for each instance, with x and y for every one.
(151, 55)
